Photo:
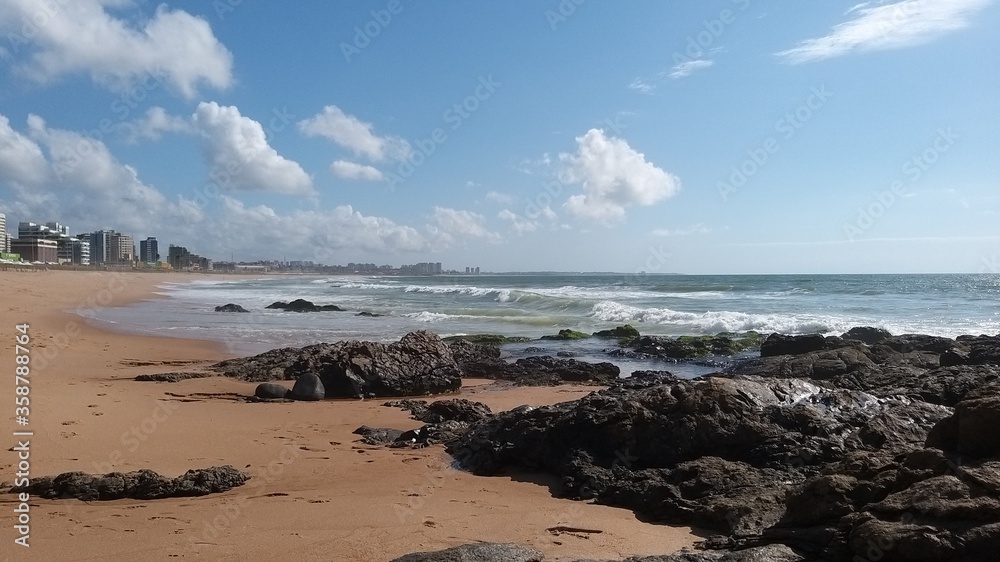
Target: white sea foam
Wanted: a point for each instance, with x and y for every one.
(711, 322)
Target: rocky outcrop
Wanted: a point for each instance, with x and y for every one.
(140, 485)
(691, 347)
(481, 552)
(494, 552)
(302, 305)
(230, 308)
(866, 334)
(567, 334)
(626, 332)
(477, 359)
(367, 314)
(545, 370)
(456, 409)
(419, 363)
(173, 377)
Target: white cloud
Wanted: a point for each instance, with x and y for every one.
(355, 135)
(75, 179)
(80, 36)
(452, 225)
(642, 87)
(695, 229)
(613, 176)
(687, 68)
(324, 235)
(154, 123)
(355, 171)
(520, 224)
(890, 26)
(499, 198)
(21, 159)
(240, 156)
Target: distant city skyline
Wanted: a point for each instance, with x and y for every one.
(727, 136)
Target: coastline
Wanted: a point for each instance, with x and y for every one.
(315, 493)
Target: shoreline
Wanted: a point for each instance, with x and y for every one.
(309, 474)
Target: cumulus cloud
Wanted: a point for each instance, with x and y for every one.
(499, 198)
(355, 171)
(73, 178)
(82, 37)
(324, 235)
(240, 156)
(613, 176)
(889, 26)
(154, 123)
(689, 67)
(519, 224)
(355, 135)
(451, 225)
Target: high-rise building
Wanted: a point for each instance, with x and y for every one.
(149, 251)
(122, 248)
(4, 237)
(81, 251)
(100, 244)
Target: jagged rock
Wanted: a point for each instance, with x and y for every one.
(488, 339)
(302, 305)
(477, 359)
(367, 314)
(690, 347)
(173, 377)
(545, 370)
(456, 409)
(867, 335)
(308, 387)
(627, 332)
(780, 344)
(140, 485)
(419, 363)
(270, 390)
(972, 430)
(481, 552)
(646, 379)
(378, 435)
(230, 308)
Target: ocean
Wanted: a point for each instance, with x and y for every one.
(534, 305)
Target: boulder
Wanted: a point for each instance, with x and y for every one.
(477, 359)
(455, 409)
(545, 370)
(780, 344)
(627, 332)
(270, 390)
(567, 334)
(867, 335)
(308, 387)
(230, 308)
(419, 363)
(691, 347)
(972, 430)
(367, 314)
(140, 485)
(302, 305)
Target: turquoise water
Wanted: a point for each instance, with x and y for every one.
(535, 305)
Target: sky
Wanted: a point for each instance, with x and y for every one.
(726, 136)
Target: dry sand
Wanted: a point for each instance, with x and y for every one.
(316, 493)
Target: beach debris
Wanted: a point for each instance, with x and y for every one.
(140, 485)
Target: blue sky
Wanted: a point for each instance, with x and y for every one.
(731, 136)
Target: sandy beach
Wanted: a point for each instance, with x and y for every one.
(316, 493)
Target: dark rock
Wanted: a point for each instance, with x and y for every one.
(308, 386)
(908, 343)
(646, 379)
(367, 314)
(230, 308)
(419, 363)
(953, 357)
(567, 335)
(565, 354)
(455, 409)
(780, 344)
(626, 332)
(477, 359)
(690, 347)
(544, 370)
(302, 305)
(481, 552)
(140, 485)
(490, 339)
(270, 390)
(378, 435)
(866, 335)
(972, 430)
(173, 377)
